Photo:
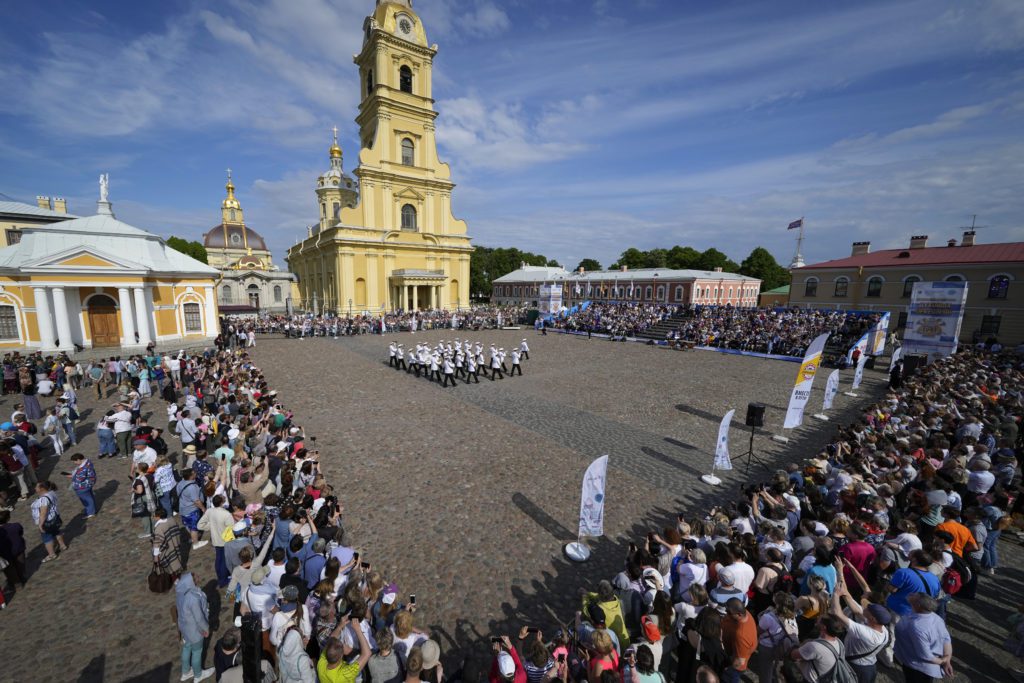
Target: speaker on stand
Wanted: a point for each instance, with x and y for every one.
(755, 419)
(252, 647)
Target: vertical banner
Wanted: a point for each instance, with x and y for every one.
(861, 344)
(878, 335)
(934, 319)
(722, 461)
(858, 374)
(897, 353)
(804, 380)
(831, 389)
(550, 299)
(592, 498)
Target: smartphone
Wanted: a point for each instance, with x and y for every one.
(495, 639)
(364, 565)
(412, 599)
(561, 658)
(355, 557)
(532, 629)
(66, 474)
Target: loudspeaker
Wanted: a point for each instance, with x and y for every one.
(755, 415)
(912, 362)
(252, 647)
(869, 364)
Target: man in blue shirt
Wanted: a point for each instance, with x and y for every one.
(314, 563)
(923, 645)
(913, 579)
(190, 505)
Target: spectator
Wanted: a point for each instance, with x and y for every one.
(923, 646)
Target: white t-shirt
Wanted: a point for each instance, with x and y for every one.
(689, 574)
(744, 574)
(281, 622)
(122, 421)
(260, 602)
(44, 387)
(274, 574)
(404, 645)
(862, 639)
(351, 640)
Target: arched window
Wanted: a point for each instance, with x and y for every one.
(405, 79)
(193, 321)
(337, 210)
(998, 287)
(908, 285)
(954, 278)
(408, 217)
(811, 286)
(647, 292)
(679, 292)
(225, 293)
(9, 323)
(842, 287)
(369, 82)
(661, 292)
(407, 150)
(277, 293)
(232, 214)
(875, 286)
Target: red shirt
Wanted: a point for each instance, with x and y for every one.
(518, 677)
(740, 639)
(860, 554)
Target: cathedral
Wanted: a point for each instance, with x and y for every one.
(387, 240)
(249, 283)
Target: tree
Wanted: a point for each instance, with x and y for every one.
(552, 263)
(190, 248)
(655, 258)
(631, 258)
(589, 264)
(486, 264)
(712, 258)
(762, 265)
(682, 258)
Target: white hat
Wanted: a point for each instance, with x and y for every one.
(506, 665)
(389, 598)
(281, 445)
(293, 430)
(233, 433)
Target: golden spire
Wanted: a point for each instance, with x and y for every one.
(230, 202)
(335, 148)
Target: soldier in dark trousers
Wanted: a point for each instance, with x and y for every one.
(524, 350)
(515, 364)
(473, 371)
(400, 359)
(449, 372)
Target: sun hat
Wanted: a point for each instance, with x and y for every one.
(431, 652)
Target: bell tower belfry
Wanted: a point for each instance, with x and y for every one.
(398, 247)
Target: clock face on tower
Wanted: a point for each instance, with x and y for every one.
(404, 26)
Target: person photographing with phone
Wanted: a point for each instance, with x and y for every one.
(506, 667)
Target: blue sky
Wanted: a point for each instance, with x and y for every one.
(574, 129)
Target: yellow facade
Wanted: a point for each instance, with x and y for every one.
(399, 246)
(97, 282)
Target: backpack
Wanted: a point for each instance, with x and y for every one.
(841, 672)
(785, 581)
(955, 576)
(159, 445)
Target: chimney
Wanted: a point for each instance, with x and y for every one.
(968, 240)
(861, 248)
(59, 205)
(718, 269)
(624, 268)
(581, 270)
(951, 243)
(919, 241)
(43, 202)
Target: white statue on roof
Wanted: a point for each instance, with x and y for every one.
(104, 186)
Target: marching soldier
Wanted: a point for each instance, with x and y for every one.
(501, 356)
(449, 372)
(524, 350)
(392, 350)
(496, 367)
(400, 358)
(460, 360)
(474, 370)
(480, 364)
(515, 364)
(435, 366)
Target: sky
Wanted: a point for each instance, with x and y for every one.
(573, 128)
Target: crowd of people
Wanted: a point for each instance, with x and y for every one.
(845, 563)
(448, 362)
(615, 320)
(300, 326)
(781, 331)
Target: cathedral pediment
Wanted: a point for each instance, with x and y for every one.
(81, 259)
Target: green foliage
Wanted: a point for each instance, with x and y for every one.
(190, 248)
(762, 265)
(589, 264)
(712, 258)
(680, 258)
(488, 263)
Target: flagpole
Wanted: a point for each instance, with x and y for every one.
(798, 258)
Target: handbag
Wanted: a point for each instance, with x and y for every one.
(139, 508)
(159, 581)
(51, 525)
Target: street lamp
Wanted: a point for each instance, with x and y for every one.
(350, 308)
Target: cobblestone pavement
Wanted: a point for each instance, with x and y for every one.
(464, 496)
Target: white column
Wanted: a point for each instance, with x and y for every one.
(142, 316)
(211, 313)
(127, 320)
(60, 315)
(415, 298)
(44, 318)
(433, 297)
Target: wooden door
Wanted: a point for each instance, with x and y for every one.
(103, 326)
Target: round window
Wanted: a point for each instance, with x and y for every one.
(236, 238)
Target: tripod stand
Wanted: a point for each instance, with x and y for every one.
(750, 455)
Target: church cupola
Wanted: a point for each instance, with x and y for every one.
(231, 210)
